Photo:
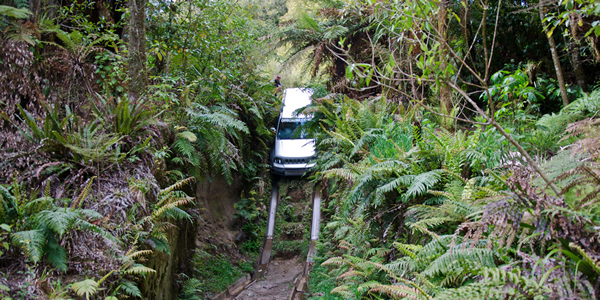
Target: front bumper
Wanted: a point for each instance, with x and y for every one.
(290, 169)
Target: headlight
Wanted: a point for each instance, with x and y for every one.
(278, 160)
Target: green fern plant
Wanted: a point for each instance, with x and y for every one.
(497, 283)
(131, 118)
(75, 52)
(85, 288)
(71, 139)
(210, 144)
(11, 28)
(153, 228)
(40, 225)
(15, 12)
(363, 278)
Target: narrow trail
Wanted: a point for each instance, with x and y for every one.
(285, 278)
(277, 282)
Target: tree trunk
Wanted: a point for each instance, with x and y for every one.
(138, 77)
(445, 101)
(466, 28)
(577, 64)
(556, 60)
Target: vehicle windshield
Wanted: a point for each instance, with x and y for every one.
(293, 129)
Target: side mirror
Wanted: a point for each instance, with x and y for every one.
(273, 129)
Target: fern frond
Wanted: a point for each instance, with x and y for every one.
(500, 284)
(594, 263)
(334, 261)
(84, 193)
(340, 173)
(89, 227)
(351, 273)
(408, 249)
(190, 136)
(56, 254)
(58, 220)
(185, 147)
(395, 291)
(171, 205)
(139, 253)
(440, 193)
(343, 291)
(427, 224)
(130, 288)
(177, 185)
(422, 183)
(163, 226)
(488, 192)
(138, 269)
(85, 288)
(447, 261)
(391, 185)
(13, 12)
(33, 242)
(38, 204)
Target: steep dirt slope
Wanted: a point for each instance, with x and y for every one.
(277, 283)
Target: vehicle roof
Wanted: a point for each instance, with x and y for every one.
(293, 99)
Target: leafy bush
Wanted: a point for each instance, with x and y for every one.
(434, 214)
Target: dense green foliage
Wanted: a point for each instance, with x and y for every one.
(478, 183)
(94, 169)
(425, 213)
(458, 160)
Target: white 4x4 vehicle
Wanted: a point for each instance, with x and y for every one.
(294, 148)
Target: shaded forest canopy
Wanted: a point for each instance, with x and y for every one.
(458, 144)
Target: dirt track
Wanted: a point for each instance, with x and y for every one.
(277, 283)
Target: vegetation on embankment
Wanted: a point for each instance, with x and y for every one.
(110, 127)
(458, 159)
(448, 172)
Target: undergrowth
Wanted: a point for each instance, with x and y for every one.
(211, 275)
